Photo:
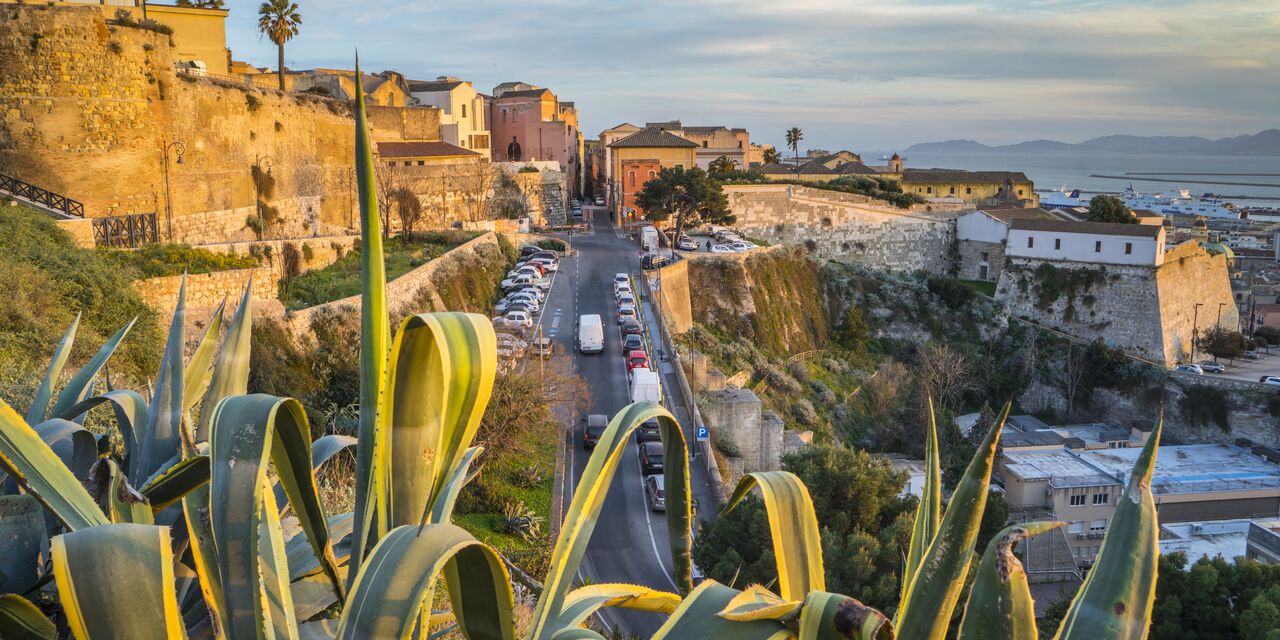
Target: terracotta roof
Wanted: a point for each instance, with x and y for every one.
(1009, 214)
(430, 86)
(524, 93)
(703, 130)
(855, 168)
(1095, 228)
(421, 150)
(653, 138)
(814, 168)
(956, 175)
(774, 167)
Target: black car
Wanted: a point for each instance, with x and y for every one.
(651, 458)
(649, 431)
(528, 250)
(632, 342)
(653, 261)
(631, 326)
(593, 427)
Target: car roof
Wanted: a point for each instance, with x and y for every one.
(637, 354)
(597, 420)
(653, 447)
(630, 321)
(658, 481)
(615, 276)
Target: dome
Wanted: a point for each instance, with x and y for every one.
(1200, 222)
(1218, 247)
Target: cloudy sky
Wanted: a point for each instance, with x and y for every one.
(852, 74)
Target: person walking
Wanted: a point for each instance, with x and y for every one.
(708, 244)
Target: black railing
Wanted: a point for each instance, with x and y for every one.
(132, 230)
(55, 201)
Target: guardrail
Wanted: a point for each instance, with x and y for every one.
(43, 197)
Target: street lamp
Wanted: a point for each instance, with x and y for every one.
(257, 193)
(179, 149)
(1220, 306)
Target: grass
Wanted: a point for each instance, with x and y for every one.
(981, 286)
(342, 278)
(156, 260)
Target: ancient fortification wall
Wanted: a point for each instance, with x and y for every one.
(88, 107)
(1146, 311)
(845, 227)
(206, 290)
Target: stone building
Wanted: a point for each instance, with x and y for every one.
(386, 89)
(639, 157)
(982, 188)
(1093, 242)
(533, 124)
(718, 142)
(981, 236)
(463, 116)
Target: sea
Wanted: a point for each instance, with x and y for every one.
(1252, 181)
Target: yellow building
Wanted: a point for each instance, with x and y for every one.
(972, 187)
(639, 157)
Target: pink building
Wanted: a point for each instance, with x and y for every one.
(531, 124)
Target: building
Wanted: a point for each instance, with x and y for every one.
(755, 153)
(639, 157)
(532, 124)
(418, 154)
(1262, 541)
(718, 142)
(982, 188)
(604, 157)
(981, 236)
(1092, 242)
(451, 183)
(463, 116)
(386, 89)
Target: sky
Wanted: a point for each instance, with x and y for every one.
(852, 75)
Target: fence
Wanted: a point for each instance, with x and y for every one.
(43, 197)
(133, 230)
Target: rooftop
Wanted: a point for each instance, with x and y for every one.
(1009, 214)
(651, 137)
(525, 93)
(1060, 467)
(1094, 228)
(1195, 468)
(421, 150)
(1226, 538)
(958, 175)
(430, 86)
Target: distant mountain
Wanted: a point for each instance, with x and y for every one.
(1263, 143)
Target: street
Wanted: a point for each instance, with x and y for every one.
(630, 542)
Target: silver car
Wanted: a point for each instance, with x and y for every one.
(653, 491)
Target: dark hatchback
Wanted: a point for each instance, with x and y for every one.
(651, 458)
(593, 427)
(649, 431)
(631, 326)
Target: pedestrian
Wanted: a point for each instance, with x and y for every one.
(708, 244)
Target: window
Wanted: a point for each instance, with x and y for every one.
(1128, 248)
(928, 190)
(1075, 527)
(1077, 500)
(504, 116)
(679, 166)
(985, 256)
(1019, 191)
(631, 177)
(739, 144)
(422, 163)
(652, 174)
(953, 190)
(1097, 246)
(968, 189)
(1057, 244)
(1102, 498)
(464, 110)
(1098, 525)
(1031, 242)
(704, 144)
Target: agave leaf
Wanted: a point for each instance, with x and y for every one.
(163, 434)
(697, 618)
(35, 467)
(797, 545)
(582, 602)
(87, 561)
(74, 445)
(204, 554)
(302, 560)
(577, 633)
(23, 532)
(276, 593)
(114, 495)
(322, 450)
(757, 603)
(833, 616)
(397, 580)
(40, 404)
(199, 370)
(1000, 604)
(246, 429)
(231, 369)
(442, 508)
(21, 620)
(935, 586)
(131, 415)
(371, 507)
(78, 386)
(171, 484)
(929, 509)
(580, 519)
(1115, 600)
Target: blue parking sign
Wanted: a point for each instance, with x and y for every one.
(704, 434)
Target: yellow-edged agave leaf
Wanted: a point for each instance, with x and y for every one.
(577, 633)
(276, 595)
(396, 583)
(1000, 604)
(697, 617)
(74, 445)
(935, 586)
(171, 484)
(831, 616)
(323, 449)
(302, 560)
(21, 620)
(34, 466)
(929, 509)
(758, 603)
(245, 430)
(163, 434)
(231, 369)
(372, 496)
(204, 555)
(22, 528)
(583, 512)
(199, 369)
(1115, 600)
(40, 404)
(442, 508)
(130, 410)
(78, 386)
(797, 545)
(115, 497)
(582, 602)
(138, 560)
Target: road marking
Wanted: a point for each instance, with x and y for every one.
(648, 525)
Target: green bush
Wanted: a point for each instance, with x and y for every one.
(156, 260)
(1204, 404)
(342, 278)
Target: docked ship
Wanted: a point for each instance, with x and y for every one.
(1180, 202)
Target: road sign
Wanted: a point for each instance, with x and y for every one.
(704, 434)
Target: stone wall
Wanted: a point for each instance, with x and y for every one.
(846, 227)
(742, 430)
(324, 250)
(1190, 275)
(970, 258)
(673, 296)
(205, 291)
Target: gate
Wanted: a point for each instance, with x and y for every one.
(132, 230)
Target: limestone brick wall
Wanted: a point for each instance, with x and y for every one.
(969, 254)
(81, 231)
(325, 250)
(1190, 276)
(206, 290)
(845, 227)
(673, 296)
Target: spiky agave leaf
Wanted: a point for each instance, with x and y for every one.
(21, 620)
(1115, 600)
(115, 496)
(130, 410)
(78, 386)
(231, 368)
(935, 587)
(797, 544)
(22, 529)
(163, 434)
(199, 369)
(698, 617)
(929, 509)
(1000, 604)
(582, 602)
(40, 404)
(35, 467)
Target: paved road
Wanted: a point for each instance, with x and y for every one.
(630, 543)
(1265, 365)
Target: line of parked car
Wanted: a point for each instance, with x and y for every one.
(525, 291)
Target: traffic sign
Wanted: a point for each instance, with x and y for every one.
(704, 434)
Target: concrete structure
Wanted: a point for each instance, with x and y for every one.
(640, 153)
(532, 124)
(915, 470)
(1216, 538)
(1262, 541)
(981, 236)
(463, 116)
(1092, 242)
(717, 142)
(750, 438)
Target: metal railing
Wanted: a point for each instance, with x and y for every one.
(132, 230)
(43, 197)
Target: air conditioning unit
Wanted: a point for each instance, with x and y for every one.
(1095, 535)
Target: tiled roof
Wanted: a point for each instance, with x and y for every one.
(814, 168)
(774, 168)
(956, 175)
(524, 93)
(855, 168)
(653, 138)
(703, 130)
(431, 86)
(1009, 214)
(421, 150)
(1096, 228)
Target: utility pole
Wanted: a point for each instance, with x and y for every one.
(1220, 306)
(1194, 335)
(180, 149)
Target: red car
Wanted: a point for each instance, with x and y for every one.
(637, 360)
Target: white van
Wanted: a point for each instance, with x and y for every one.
(590, 334)
(645, 386)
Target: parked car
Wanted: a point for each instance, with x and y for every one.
(626, 312)
(1250, 355)
(621, 278)
(620, 288)
(546, 264)
(593, 427)
(533, 271)
(1269, 380)
(721, 248)
(542, 347)
(625, 298)
(529, 249)
(1213, 367)
(651, 458)
(742, 246)
(653, 486)
(687, 244)
(599, 201)
(517, 318)
(530, 289)
(524, 295)
(506, 306)
(631, 326)
(653, 261)
(1190, 368)
(637, 359)
(648, 431)
(546, 253)
(632, 342)
(524, 279)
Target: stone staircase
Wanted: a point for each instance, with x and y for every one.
(553, 205)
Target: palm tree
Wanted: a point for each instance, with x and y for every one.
(202, 4)
(278, 20)
(794, 136)
(771, 156)
(723, 164)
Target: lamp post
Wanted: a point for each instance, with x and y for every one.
(179, 149)
(1194, 336)
(257, 193)
(1220, 306)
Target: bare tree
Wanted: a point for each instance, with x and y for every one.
(944, 374)
(410, 209)
(474, 184)
(392, 178)
(1073, 369)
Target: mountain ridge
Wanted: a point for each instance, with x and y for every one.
(1263, 143)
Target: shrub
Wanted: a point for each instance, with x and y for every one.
(527, 477)
(156, 260)
(115, 47)
(823, 394)
(519, 520)
(804, 412)
(527, 169)
(954, 294)
(1203, 404)
(252, 102)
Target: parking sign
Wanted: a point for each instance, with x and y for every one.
(704, 434)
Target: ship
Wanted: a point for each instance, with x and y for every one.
(1063, 199)
(1180, 202)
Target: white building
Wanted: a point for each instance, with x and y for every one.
(1097, 242)
(981, 236)
(462, 112)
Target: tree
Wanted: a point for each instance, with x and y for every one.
(1104, 208)
(392, 180)
(1268, 336)
(771, 156)
(794, 136)
(279, 20)
(944, 374)
(1221, 342)
(410, 209)
(690, 194)
(723, 164)
(202, 4)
